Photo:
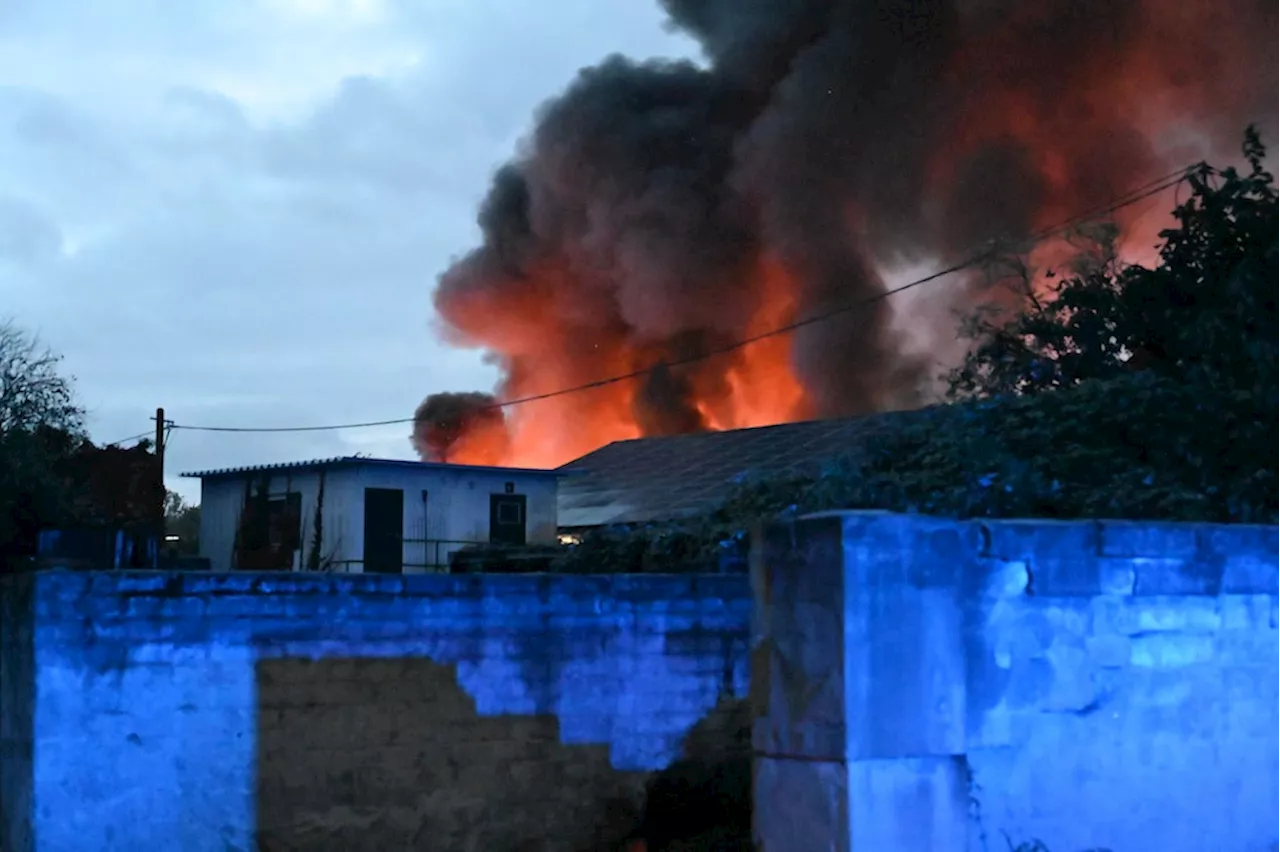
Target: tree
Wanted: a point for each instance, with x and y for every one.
(183, 520)
(1206, 314)
(41, 426)
(33, 395)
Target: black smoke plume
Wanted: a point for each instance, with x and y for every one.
(827, 139)
(444, 419)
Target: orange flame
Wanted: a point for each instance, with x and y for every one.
(752, 385)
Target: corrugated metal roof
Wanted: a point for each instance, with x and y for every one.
(654, 479)
(315, 464)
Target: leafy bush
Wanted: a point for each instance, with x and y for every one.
(1139, 447)
(697, 545)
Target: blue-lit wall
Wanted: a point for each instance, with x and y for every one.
(935, 686)
(149, 686)
(925, 684)
(17, 676)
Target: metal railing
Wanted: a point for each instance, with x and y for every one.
(446, 555)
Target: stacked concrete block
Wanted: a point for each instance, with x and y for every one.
(1085, 685)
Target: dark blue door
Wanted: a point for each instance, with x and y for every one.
(383, 531)
(507, 519)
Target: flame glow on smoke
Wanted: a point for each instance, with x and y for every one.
(660, 210)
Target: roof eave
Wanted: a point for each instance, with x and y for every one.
(344, 461)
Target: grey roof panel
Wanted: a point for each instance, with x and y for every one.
(653, 479)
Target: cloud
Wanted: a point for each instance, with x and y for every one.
(27, 236)
(236, 210)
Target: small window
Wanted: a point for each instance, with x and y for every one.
(510, 512)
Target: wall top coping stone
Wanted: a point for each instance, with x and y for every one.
(1217, 537)
(1081, 557)
(240, 583)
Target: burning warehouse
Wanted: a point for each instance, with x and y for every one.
(660, 210)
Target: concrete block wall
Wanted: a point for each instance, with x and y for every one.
(16, 718)
(192, 712)
(926, 684)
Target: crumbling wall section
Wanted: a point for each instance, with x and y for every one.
(217, 711)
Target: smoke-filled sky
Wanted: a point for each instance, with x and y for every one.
(237, 209)
(661, 210)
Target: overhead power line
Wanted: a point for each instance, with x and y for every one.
(1135, 195)
(137, 437)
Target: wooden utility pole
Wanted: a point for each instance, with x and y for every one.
(160, 442)
(161, 493)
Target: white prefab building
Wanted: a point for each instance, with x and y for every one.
(358, 514)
